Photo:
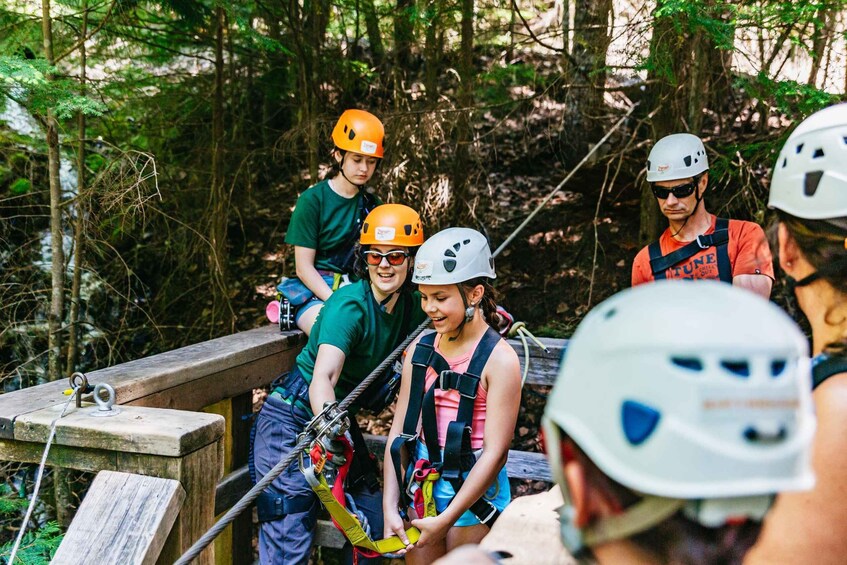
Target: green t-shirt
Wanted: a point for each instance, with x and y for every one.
(324, 220)
(352, 321)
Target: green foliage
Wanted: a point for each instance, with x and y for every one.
(789, 97)
(496, 84)
(29, 76)
(37, 546)
(20, 186)
(95, 162)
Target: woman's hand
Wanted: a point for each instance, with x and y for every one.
(394, 526)
(432, 529)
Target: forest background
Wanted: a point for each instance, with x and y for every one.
(151, 152)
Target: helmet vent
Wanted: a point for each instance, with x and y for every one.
(408, 229)
(449, 265)
(449, 253)
(365, 228)
(690, 363)
(799, 148)
(351, 135)
(784, 162)
(687, 160)
(818, 153)
(466, 242)
(457, 246)
(811, 182)
(610, 313)
(777, 367)
(737, 368)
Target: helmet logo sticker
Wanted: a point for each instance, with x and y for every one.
(663, 168)
(423, 269)
(384, 233)
(368, 146)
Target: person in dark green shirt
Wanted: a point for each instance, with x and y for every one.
(358, 327)
(325, 224)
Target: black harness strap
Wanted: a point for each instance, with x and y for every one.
(458, 453)
(659, 264)
(826, 367)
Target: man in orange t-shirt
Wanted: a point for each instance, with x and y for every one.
(698, 245)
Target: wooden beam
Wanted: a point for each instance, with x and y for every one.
(233, 364)
(124, 518)
(154, 431)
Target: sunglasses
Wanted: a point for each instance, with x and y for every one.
(679, 191)
(393, 257)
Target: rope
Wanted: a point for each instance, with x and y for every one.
(39, 476)
(248, 499)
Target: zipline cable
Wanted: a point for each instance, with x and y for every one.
(194, 551)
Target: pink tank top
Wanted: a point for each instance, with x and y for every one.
(447, 401)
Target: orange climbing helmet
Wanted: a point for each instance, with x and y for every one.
(360, 132)
(392, 224)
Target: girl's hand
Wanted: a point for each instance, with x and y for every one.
(432, 529)
(394, 526)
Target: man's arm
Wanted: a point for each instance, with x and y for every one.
(760, 284)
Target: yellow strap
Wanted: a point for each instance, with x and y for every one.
(336, 281)
(430, 510)
(351, 527)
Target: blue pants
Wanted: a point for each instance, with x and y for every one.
(288, 541)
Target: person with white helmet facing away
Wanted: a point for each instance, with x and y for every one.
(697, 244)
(327, 218)
(668, 446)
(457, 407)
(809, 192)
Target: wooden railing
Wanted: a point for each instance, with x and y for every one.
(184, 416)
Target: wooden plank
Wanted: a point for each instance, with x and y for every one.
(543, 367)
(231, 489)
(212, 388)
(151, 375)
(59, 456)
(124, 518)
(155, 431)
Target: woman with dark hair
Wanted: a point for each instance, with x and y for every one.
(809, 193)
(327, 218)
(360, 325)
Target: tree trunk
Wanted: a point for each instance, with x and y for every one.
(372, 29)
(464, 133)
(404, 33)
(820, 40)
(432, 51)
(218, 199)
(79, 222)
(57, 268)
(587, 76)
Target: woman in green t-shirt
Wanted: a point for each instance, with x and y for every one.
(360, 325)
(326, 221)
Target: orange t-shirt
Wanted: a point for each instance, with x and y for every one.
(749, 254)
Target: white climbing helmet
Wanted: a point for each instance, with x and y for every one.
(452, 256)
(810, 177)
(681, 392)
(676, 156)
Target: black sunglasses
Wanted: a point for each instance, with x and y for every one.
(679, 191)
(393, 257)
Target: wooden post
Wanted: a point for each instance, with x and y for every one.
(172, 444)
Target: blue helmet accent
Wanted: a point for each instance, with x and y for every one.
(639, 421)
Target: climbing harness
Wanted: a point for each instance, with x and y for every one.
(351, 522)
(247, 500)
(825, 366)
(458, 457)
(718, 239)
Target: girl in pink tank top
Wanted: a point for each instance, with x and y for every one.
(454, 270)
